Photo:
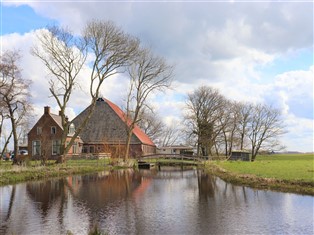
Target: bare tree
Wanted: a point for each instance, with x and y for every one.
(14, 92)
(265, 127)
(64, 56)
(229, 123)
(204, 107)
(149, 73)
(151, 124)
(3, 117)
(6, 139)
(215, 121)
(170, 135)
(160, 133)
(111, 50)
(244, 110)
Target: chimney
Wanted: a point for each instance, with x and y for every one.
(46, 110)
(59, 112)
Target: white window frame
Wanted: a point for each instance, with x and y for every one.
(74, 148)
(36, 147)
(55, 147)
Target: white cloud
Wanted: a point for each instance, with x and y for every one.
(32, 69)
(300, 134)
(296, 89)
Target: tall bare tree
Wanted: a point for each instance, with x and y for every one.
(265, 127)
(244, 110)
(64, 55)
(149, 73)
(204, 107)
(14, 93)
(3, 117)
(229, 123)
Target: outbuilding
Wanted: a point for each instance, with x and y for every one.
(241, 155)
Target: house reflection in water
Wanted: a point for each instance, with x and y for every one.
(46, 193)
(95, 191)
(103, 188)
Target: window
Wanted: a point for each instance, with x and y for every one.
(56, 144)
(91, 149)
(71, 129)
(74, 147)
(39, 130)
(53, 130)
(85, 149)
(36, 147)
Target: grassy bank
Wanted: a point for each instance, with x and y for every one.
(11, 174)
(289, 173)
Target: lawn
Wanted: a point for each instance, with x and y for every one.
(292, 167)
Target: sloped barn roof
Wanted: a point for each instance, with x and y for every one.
(107, 124)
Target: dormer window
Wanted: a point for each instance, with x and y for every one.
(53, 130)
(71, 129)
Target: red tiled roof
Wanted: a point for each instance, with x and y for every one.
(136, 131)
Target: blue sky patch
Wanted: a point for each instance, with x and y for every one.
(297, 60)
(21, 19)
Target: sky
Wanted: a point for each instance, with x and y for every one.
(258, 51)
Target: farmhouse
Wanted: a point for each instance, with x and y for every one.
(106, 132)
(44, 139)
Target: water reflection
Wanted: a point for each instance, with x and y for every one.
(150, 202)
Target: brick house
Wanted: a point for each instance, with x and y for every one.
(44, 139)
(106, 132)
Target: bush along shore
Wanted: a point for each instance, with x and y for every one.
(265, 183)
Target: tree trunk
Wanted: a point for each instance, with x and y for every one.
(128, 142)
(15, 137)
(242, 140)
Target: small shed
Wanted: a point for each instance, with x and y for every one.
(240, 155)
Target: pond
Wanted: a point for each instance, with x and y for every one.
(169, 201)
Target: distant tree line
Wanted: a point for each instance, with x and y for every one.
(216, 125)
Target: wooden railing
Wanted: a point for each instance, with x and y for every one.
(174, 156)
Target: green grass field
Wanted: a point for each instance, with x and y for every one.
(11, 174)
(292, 167)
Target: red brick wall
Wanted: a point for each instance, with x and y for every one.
(46, 137)
(118, 150)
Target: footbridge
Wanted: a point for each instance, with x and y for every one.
(149, 161)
